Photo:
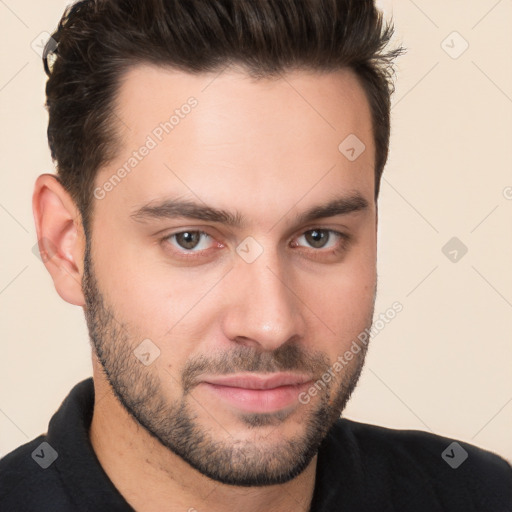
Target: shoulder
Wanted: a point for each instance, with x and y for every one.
(423, 446)
(413, 460)
(27, 476)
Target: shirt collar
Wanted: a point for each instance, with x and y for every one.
(79, 469)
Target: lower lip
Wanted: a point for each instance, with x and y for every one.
(259, 400)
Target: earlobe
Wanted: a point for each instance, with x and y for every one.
(60, 237)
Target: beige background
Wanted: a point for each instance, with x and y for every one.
(443, 364)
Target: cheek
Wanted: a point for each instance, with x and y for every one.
(344, 298)
(154, 300)
(345, 305)
(130, 283)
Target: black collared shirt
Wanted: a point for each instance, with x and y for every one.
(361, 468)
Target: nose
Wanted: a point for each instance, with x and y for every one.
(264, 308)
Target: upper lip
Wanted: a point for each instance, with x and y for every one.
(258, 381)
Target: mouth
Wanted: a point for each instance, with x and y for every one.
(263, 393)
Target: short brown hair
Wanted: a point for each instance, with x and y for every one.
(98, 40)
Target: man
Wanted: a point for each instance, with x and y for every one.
(215, 214)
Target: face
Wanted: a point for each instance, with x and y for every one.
(232, 264)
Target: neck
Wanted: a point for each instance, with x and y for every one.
(152, 478)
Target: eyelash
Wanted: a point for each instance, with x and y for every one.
(344, 239)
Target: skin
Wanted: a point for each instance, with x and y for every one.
(268, 150)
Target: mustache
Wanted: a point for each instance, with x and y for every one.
(246, 359)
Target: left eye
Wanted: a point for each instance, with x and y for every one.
(321, 238)
(191, 240)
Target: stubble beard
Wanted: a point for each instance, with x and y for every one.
(175, 424)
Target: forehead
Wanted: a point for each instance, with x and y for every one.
(270, 140)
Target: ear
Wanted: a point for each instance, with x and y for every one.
(60, 237)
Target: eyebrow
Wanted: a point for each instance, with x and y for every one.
(176, 208)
